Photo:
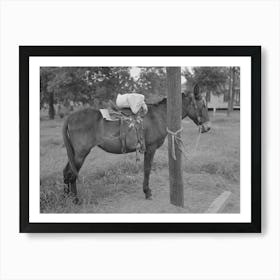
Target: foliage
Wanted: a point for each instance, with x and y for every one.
(94, 85)
(84, 84)
(46, 75)
(97, 85)
(209, 78)
(106, 82)
(152, 82)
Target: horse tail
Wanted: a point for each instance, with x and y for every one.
(69, 148)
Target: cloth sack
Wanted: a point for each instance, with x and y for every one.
(134, 101)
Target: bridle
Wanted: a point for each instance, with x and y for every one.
(194, 97)
(194, 102)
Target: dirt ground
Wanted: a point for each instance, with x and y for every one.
(111, 183)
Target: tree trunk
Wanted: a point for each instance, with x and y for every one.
(230, 92)
(208, 96)
(174, 117)
(51, 106)
(233, 90)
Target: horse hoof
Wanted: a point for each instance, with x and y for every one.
(148, 196)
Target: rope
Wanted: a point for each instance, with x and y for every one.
(197, 141)
(174, 139)
(180, 144)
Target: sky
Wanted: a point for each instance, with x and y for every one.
(134, 72)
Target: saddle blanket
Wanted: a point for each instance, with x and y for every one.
(106, 115)
(134, 101)
(110, 115)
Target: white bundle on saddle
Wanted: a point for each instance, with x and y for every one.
(134, 101)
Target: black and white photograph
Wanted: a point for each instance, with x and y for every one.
(103, 140)
(138, 135)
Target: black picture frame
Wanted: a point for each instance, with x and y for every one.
(25, 52)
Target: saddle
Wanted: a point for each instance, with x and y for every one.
(131, 127)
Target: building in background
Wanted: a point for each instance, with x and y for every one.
(219, 100)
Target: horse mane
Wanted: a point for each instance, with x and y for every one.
(161, 101)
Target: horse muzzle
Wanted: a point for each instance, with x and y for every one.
(205, 127)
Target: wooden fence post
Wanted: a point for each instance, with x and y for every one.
(174, 118)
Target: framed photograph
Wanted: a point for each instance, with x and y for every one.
(102, 148)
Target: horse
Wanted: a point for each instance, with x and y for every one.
(86, 129)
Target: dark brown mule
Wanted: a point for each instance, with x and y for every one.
(85, 129)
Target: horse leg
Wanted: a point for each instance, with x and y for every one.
(148, 159)
(70, 178)
(70, 181)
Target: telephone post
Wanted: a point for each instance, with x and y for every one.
(174, 118)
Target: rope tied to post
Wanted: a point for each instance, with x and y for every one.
(175, 139)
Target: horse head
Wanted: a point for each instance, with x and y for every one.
(195, 107)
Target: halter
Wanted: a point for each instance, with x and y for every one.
(193, 99)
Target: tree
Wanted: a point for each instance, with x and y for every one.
(210, 79)
(69, 84)
(83, 84)
(174, 117)
(152, 82)
(233, 74)
(47, 96)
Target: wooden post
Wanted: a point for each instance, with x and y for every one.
(229, 91)
(174, 117)
(233, 90)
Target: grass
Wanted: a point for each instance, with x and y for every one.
(111, 183)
